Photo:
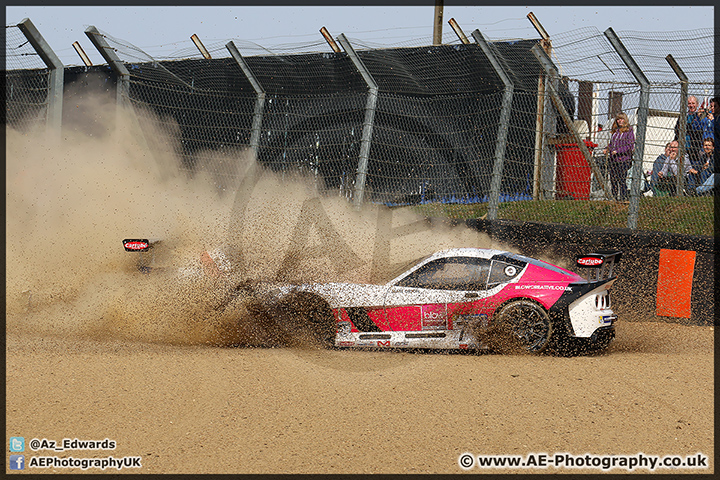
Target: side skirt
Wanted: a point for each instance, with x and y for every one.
(432, 339)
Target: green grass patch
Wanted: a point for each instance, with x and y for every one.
(685, 215)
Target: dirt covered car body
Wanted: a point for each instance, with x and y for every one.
(465, 299)
(455, 298)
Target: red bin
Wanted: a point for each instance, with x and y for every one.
(572, 171)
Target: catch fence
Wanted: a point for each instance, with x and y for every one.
(510, 125)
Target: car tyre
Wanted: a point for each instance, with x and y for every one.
(522, 325)
(311, 318)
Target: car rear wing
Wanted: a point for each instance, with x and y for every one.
(144, 247)
(213, 264)
(600, 264)
(139, 244)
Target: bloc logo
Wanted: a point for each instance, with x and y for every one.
(434, 317)
(17, 444)
(17, 462)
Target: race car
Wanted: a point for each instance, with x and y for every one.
(458, 299)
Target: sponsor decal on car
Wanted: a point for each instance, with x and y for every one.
(543, 287)
(434, 317)
(346, 344)
(590, 261)
(136, 245)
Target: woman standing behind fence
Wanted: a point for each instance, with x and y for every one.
(620, 150)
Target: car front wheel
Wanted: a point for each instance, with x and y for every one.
(308, 319)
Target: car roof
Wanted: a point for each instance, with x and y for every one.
(466, 252)
(448, 253)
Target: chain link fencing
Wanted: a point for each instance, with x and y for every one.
(605, 86)
(433, 131)
(27, 82)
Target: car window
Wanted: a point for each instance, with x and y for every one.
(502, 272)
(456, 273)
(515, 258)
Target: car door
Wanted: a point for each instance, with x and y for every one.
(433, 295)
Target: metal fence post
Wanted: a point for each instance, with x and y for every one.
(547, 123)
(501, 141)
(57, 74)
(542, 107)
(367, 124)
(551, 73)
(122, 99)
(642, 116)
(682, 123)
(259, 102)
(108, 53)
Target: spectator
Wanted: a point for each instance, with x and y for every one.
(710, 120)
(657, 166)
(715, 105)
(707, 187)
(699, 171)
(620, 152)
(694, 128)
(707, 159)
(667, 176)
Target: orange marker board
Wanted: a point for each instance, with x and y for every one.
(674, 286)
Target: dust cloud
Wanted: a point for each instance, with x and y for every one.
(72, 200)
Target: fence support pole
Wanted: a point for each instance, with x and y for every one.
(259, 101)
(540, 130)
(551, 73)
(682, 125)
(370, 106)
(501, 141)
(108, 53)
(547, 124)
(642, 116)
(57, 74)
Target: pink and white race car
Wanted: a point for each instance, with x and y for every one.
(466, 299)
(456, 299)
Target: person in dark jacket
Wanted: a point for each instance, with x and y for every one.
(695, 126)
(707, 160)
(657, 166)
(715, 103)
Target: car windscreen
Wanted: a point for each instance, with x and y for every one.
(401, 268)
(452, 273)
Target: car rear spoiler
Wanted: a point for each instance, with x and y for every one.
(146, 258)
(600, 264)
(139, 244)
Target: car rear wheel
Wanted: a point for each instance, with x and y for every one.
(309, 319)
(524, 325)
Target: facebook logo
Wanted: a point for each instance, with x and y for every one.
(17, 462)
(17, 444)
